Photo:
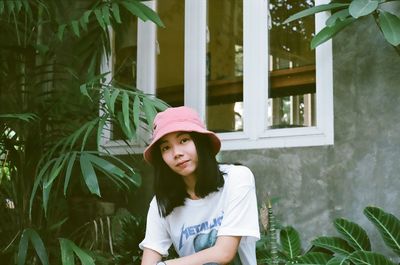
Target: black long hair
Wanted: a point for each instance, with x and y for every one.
(169, 187)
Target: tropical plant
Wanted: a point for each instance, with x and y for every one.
(353, 248)
(51, 94)
(346, 12)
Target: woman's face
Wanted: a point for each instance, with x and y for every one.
(179, 153)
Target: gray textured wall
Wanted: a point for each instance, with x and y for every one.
(317, 184)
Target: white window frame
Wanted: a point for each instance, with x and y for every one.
(255, 134)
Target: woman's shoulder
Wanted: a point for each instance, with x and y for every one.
(237, 174)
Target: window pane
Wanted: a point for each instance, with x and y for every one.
(291, 100)
(124, 59)
(225, 66)
(170, 58)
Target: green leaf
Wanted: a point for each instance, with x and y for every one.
(89, 130)
(149, 111)
(136, 112)
(106, 14)
(359, 8)
(75, 27)
(89, 175)
(60, 32)
(115, 10)
(314, 10)
(338, 261)
(149, 13)
(1, 7)
(69, 171)
(85, 92)
(22, 248)
(38, 246)
(134, 10)
(313, 258)
(120, 119)
(125, 112)
(353, 233)
(290, 241)
(68, 249)
(369, 258)
(20, 116)
(388, 226)
(106, 165)
(390, 25)
(113, 98)
(100, 128)
(33, 236)
(328, 32)
(67, 255)
(99, 18)
(341, 15)
(334, 244)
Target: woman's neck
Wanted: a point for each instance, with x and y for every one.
(190, 182)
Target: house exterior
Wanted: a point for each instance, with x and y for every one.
(319, 130)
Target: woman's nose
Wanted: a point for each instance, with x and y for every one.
(177, 152)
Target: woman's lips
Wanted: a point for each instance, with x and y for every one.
(182, 164)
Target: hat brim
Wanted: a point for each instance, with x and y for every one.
(181, 127)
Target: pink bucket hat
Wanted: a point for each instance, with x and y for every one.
(177, 119)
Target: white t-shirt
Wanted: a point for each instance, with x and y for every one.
(231, 211)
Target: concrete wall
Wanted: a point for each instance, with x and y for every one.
(316, 184)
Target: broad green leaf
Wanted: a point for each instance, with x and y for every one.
(369, 258)
(10, 6)
(338, 261)
(18, 6)
(55, 171)
(390, 25)
(46, 195)
(340, 15)
(89, 175)
(67, 255)
(136, 112)
(83, 256)
(125, 111)
(149, 111)
(314, 10)
(75, 27)
(107, 98)
(134, 10)
(334, 244)
(1, 7)
(89, 130)
(328, 32)
(290, 241)
(36, 184)
(38, 246)
(150, 13)
(20, 116)
(61, 30)
(359, 8)
(84, 91)
(115, 10)
(100, 128)
(86, 15)
(58, 224)
(388, 226)
(68, 172)
(106, 165)
(113, 98)
(313, 258)
(99, 17)
(353, 233)
(106, 14)
(159, 104)
(22, 248)
(128, 133)
(83, 23)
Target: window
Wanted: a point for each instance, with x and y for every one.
(253, 79)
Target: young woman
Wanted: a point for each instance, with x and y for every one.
(207, 211)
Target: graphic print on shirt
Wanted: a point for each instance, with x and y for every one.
(203, 241)
(190, 232)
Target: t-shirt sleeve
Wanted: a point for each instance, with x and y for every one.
(241, 212)
(157, 237)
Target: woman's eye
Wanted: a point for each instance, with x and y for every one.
(164, 148)
(184, 140)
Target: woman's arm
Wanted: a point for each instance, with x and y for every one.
(222, 252)
(150, 257)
